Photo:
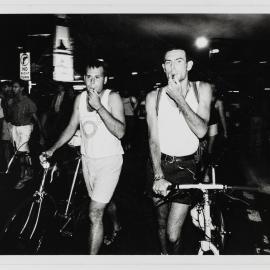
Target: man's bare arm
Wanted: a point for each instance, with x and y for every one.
(160, 184)
(197, 121)
(41, 130)
(151, 117)
(114, 120)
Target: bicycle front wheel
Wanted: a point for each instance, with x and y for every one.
(26, 227)
(218, 234)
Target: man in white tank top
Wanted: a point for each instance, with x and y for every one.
(100, 114)
(175, 126)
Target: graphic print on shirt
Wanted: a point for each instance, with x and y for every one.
(89, 128)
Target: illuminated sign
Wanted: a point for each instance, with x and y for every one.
(25, 70)
(63, 55)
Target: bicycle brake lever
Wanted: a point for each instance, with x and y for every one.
(172, 194)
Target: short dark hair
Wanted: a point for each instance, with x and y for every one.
(5, 83)
(22, 83)
(96, 63)
(172, 48)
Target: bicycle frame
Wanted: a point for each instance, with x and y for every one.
(40, 194)
(66, 214)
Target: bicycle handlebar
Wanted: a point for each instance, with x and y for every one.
(215, 187)
(199, 186)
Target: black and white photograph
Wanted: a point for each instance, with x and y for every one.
(135, 133)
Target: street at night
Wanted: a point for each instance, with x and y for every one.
(152, 88)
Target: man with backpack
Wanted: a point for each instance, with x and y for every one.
(177, 117)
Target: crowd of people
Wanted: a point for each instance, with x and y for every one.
(167, 125)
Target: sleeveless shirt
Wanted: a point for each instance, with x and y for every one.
(175, 136)
(96, 140)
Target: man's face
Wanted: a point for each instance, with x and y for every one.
(7, 90)
(95, 79)
(176, 65)
(16, 88)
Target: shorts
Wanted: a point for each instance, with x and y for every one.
(213, 130)
(177, 172)
(20, 136)
(101, 176)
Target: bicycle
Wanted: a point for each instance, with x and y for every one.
(26, 228)
(206, 215)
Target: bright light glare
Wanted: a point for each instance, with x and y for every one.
(213, 51)
(201, 42)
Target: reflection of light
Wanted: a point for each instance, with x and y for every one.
(263, 62)
(158, 83)
(201, 42)
(78, 87)
(233, 91)
(134, 73)
(213, 51)
(267, 89)
(111, 78)
(236, 62)
(39, 35)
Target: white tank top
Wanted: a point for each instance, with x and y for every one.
(96, 140)
(175, 136)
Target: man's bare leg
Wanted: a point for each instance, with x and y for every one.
(112, 211)
(162, 215)
(96, 211)
(176, 218)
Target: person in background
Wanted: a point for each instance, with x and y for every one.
(217, 116)
(21, 116)
(130, 104)
(141, 125)
(5, 136)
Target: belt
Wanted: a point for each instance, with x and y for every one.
(172, 159)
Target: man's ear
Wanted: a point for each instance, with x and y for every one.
(189, 65)
(105, 80)
(163, 66)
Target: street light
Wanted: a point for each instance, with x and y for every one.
(201, 42)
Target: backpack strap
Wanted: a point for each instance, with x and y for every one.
(159, 91)
(196, 91)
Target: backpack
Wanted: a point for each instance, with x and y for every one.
(202, 142)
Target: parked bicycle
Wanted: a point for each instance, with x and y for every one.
(28, 225)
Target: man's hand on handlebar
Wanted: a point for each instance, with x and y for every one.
(160, 187)
(45, 155)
